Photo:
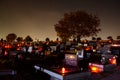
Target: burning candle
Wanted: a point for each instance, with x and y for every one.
(63, 70)
(113, 60)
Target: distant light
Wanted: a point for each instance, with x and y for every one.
(113, 61)
(116, 45)
(6, 53)
(71, 57)
(94, 50)
(88, 48)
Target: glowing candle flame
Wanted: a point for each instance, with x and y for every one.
(113, 61)
(95, 69)
(63, 70)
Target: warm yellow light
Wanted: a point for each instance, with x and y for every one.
(88, 48)
(113, 61)
(115, 45)
(63, 70)
(71, 57)
(95, 69)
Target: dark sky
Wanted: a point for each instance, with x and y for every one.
(38, 17)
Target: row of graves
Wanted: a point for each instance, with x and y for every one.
(81, 61)
(68, 71)
(108, 61)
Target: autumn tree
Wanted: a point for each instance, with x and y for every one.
(11, 37)
(77, 25)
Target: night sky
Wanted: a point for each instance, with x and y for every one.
(38, 17)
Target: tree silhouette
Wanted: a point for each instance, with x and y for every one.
(77, 25)
(118, 38)
(47, 39)
(28, 39)
(109, 38)
(99, 38)
(19, 39)
(93, 38)
(11, 37)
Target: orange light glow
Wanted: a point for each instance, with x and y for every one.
(72, 57)
(95, 69)
(113, 61)
(116, 45)
(19, 45)
(8, 46)
(63, 70)
(88, 48)
(18, 48)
